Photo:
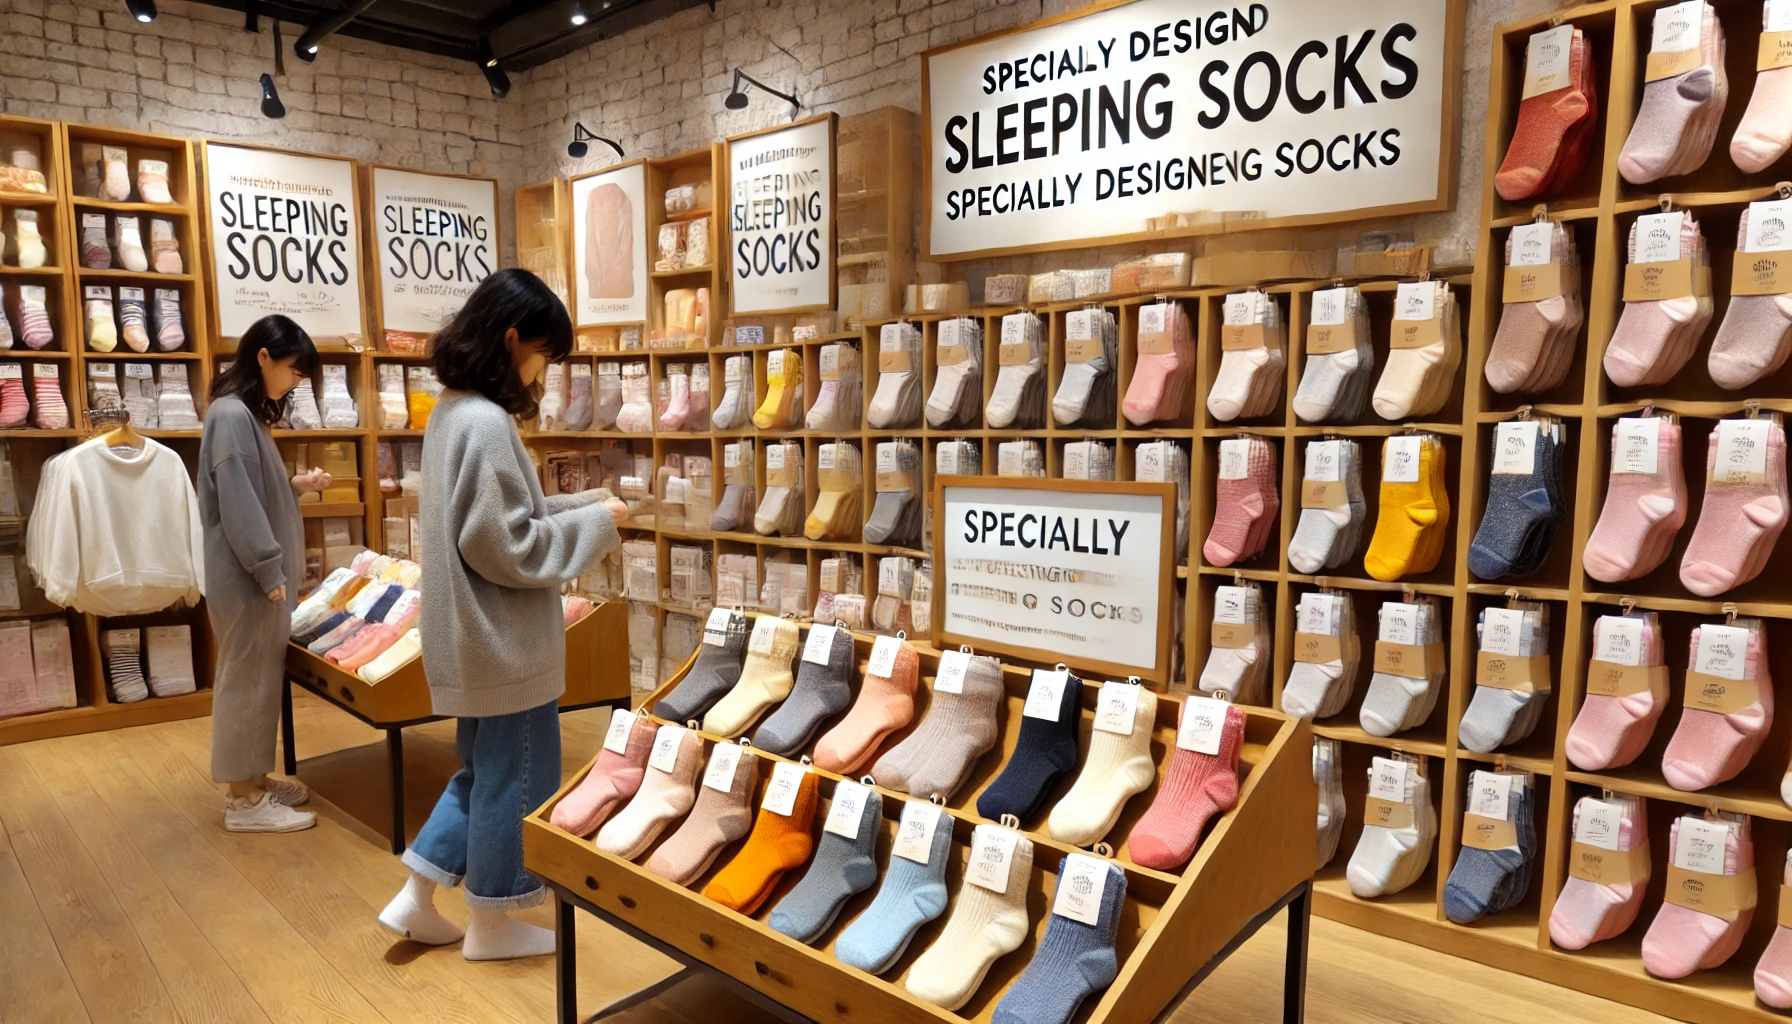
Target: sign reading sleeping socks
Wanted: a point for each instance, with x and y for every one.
(437, 238)
(781, 218)
(1046, 572)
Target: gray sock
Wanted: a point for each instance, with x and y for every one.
(716, 671)
(886, 516)
(958, 729)
(842, 868)
(820, 693)
(736, 502)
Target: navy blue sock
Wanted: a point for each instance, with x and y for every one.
(1044, 753)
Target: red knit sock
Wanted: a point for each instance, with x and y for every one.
(1197, 787)
(610, 783)
(1536, 151)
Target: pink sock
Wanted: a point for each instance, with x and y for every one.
(1238, 504)
(1196, 788)
(1773, 975)
(1588, 912)
(1606, 728)
(609, 784)
(1681, 941)
(1708, 748)
(1637, 507)
(1734, 520)
(1762, 137)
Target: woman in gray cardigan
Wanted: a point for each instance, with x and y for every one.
(254, 557)
(495, 554)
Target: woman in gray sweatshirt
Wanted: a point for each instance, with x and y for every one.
(495, 554)
(254, 557)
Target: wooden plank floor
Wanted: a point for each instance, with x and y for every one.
(123, 899)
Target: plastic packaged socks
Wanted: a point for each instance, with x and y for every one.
(1252, 359)
(1713, 742)
(1617, 717)
(1533, 348)
(1424, 350)
(1490, 880)
(840, 479)
(1247, 501)
(1390, 857)
(1240, 652)
(842, 390)
(1329, 532)
(1524, 500)
(1399, 700)
(1744, 508)
(1017, 399)
(957, 395)
(1681, 940)
(1334, 382)
(1319, 686)
(1676, 123)
(1588, 911)
(1655, 338)
(1756, 334)
(1645, 501)
(1512, 678)
(1085, 392)
(897, 400)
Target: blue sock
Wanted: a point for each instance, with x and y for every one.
(842, 868)
(911, 895)
(1485, 881)
(1073, 961)
(1044, 753)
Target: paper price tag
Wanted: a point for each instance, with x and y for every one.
(136, 295)
(1619, 640)
(774, 363)
(883, 657)
(1203, 721)
(1415, 300)
(1045, 694)
(99, 291)
(1235, 458)
(93, 222)
(774, 456)
(45, 370)
(1387, 779)
(1502, 632)
(1676, 27)
(1119, 703)
(580, 371)
(731, 456)
(1778, 16)
(754, 335)
(1232, 604)
(950, 677)
(1330, 307)
(1658, 235)
(103, 371)
(1635, 446)
(1399, 623)
(1400, 462)
(1325, 461)
(1723, 651)
(992, 851)
(1599, 824)
(1315, 614)
(11, 371)
(1150, 463)
(781, 792)
(1769, 222)
(1700, 845)
(830, 362)
(1547, 61)
(732, 370)
(723, 760)
(1079, 325)
(1240, 309)
(1155, 319)
(622, 723)
(828, 458)
(715, 628)
(1489, 794)
(665, 748)
(1080, 888)
(1515, 447)
(804, 332)
(1014, 328)
(914, 836)
(847, 810)
(819, 644)
(1741, 452)
(1532, 244)
(765, 631)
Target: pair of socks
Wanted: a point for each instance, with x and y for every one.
(1417, 381)
(1249, 381)
(1682, 941)
(1196, 788)
(842, 391)
(721, 815)
(1676, 124)
(124, 666)
(1167, 462)
(666, 793)
(1761, 138)
(1394, 702)
(845, 864)
(14, 406)
(164, 249)
(1327, 537)
(1645, 502)
(765, 678)
(133, 319)
(1247, 500)
(1756, 334)
(35, 328)
(1499, 716)
(607, 403)
(1524, 502)
(1334, 383)
(1739, 522)
(732, 409)
(984, 926)
(783, 402)
(1709, 747)
(1585, 911)
(1486, 882)
(1773, 974)
(1017, 399)
(1388, 860)
(676, 415)
(1165, 365)
(911, 894)
(896, 512)
(96, 254)
(1655, 338)
(959, 728)
(1074, 961)
(28, 251)
(152, 181)
(1410, 529)
(780, 511)
(823, 689)
(1044, 752)
(778, 843)
(957, 395)
(1612, 731)
(1328, 779)
(840, 476)
(897, 401)
(1085, 394)
(1553, 136)
(1533, 348)
(1238, 664)
(613, 779)
(1119, 767)
(884, 705)
(1321, 689)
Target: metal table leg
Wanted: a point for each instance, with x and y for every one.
(1294, 976)
(395, 780)
(566, 962)
(286, 728)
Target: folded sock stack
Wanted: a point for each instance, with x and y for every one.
(1328, 779)
(174, 399)
(1656, 336)
(1399, 829)
(840, 476)
(1524, 500)
(1728, 706)
(1253, 356)
(48, 407)
(1017, 399)
(1247, 500)
(124, 665)
(1424, 350)
(1020, 458)
(842, 389)
(1684, 92)
(957, 396)
(1167, 462)
(1533, 349)
(1744, 508)
(635, 414)
(1085, 393)
(1327, 654)
(1088, 460)
(1702, 854)
(1330, 530)
(301, 408)
(1415, 508)
(1409, 667)
(1239, 658)
(170, 660)
(1512, 676)
(1756, 334)
(1334, 383)
(780, 511)
(1645, 501)
(896, 512)
(1608, 871)
(1556, 114)
(1492, 872)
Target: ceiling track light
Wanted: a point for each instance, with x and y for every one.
(270, 99)
(737, 97)
(579, 15)
(306, 47)
(582, 135)
(142, 10)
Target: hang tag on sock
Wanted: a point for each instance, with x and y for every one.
(819, 643)
(1515, 447)
(883, 657)
(950, 677)
(1490, 795)
(847, 809)
(765, 631)
(1235, 458)
(1700, 845)
(1203, 721)
(1599, 824)
(1045, 694)
(621, 724)
(665, 748)
(781, 791)
(715, 629)
(1401, 466)
(1637, 446)
(723, 761)
(1119, 701)
(1674, 40)
(1080, 888)
(914, 836)
(1546, 61)
(992, 849)
(1741, 452)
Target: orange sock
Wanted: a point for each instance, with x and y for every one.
(779, 843)
(884, 705)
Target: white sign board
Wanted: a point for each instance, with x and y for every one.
(285, 238)
(1074, 130)
(781, 218)
(436, 238)
(1052, 573)
(609, 246)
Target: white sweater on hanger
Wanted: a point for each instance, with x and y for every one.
(116, 533)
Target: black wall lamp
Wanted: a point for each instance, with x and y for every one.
(270, 99)
(581, 136)
(142, 10)
(737, 98)
(488, 66)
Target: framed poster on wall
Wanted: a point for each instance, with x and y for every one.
(609, 246)
(283, 235)
(435, 237)
(1057, 570)
(781, 218)
(1073, 130)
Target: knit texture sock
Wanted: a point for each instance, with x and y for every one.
(612, 780)
(957, 730)
(1637, 507)
(821, 692)
(1387, 860)
(842, 868)
(1409, 510)
(718, 818)
(1117, 769)
(1476, 877)
(1734, 519)
(1708, 748)
(1544, 121)
(1681, 940)
(714, 673)
(765, 679)
(1519, 512)
(910, 895)
(1773, 974)
(664, 797)
(1196, 788)
(884, 705)
(1655, 137)
(1761, 139)
(1045, 752)
(1073, 961)
(984, 926)
(1587, 912)
(778, 844)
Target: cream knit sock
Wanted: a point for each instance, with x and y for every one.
(765, 679)
(667, 792)
(1118, 768)
(982, 926)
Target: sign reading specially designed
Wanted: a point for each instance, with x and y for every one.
(1055, 573)
(781, 218)
(437, 238)
(1075, 130)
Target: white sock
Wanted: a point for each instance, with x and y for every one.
(1316, 537)
(495, 935)
(1232, 385)
(1307, 687)
(1403, 379)
(1322, 384)
(983, 927)
(412, 914)
(1116, 769)
(1383, 856)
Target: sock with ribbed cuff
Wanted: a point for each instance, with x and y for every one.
(911, 894)
(1045, 751)
(844, 865)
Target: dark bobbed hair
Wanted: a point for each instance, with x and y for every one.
(280, 338)
(469, 350)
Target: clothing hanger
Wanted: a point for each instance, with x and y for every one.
(121, 434)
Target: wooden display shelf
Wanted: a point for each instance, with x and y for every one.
(99, 718)
(329, 509)
(1175, 923)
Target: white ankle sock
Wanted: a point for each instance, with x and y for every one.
(413, 914)
(495, 935)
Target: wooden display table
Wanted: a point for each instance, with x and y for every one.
(596, 674)
(1176, 926)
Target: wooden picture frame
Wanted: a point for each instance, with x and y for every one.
(570, 233)
(376, 292)
(832, 253)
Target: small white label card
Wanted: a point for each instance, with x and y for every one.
(1235, 458)
(730, 456)
(1723, 651)
(819, 644)
(1387, 779)
(781, 791)
(1154, 319)
(1119, 702)
(1014, 328)
(1515, 447)
(883, 657)
(847, 809)
(1241, 310)
(1149, 463)
(1079, 325)
(1325, 461)
(950, 677)
(765, 630)
(621, 724)
(1619, 640)
(1502, 632)
(1400, 463)
(715, 628)
(1045, 694)
(1700, 845)
(1635, 444)
(1741, 451)
(1599, 824)
(1489, 794)
(1400, 623)
(1080, 888)
(723, 760)
(1779, 16)
(665, 748)
(1547, 61)
(1203, 721)
(1533, 244)
(1316, 614)
(1415, 300)
(992, 850)
(914, 836)
(1677, 27)
(1330, 307)
(1658, 234)
(1770, 221)
(1232, 605)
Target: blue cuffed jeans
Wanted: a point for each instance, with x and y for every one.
(510, 765)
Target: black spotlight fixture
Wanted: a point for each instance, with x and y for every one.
(488, 66)
(737, 97)
(581, 136)
(579, 15)
(306, 47)
(270, 99)
(142, 10)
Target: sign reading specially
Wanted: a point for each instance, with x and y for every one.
(437, 238)
(609, 246)
(1057, 570)
(285, 237)
(781, 218)
(1074, 130)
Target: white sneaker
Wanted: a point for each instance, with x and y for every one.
(291, 792)
(269, 815)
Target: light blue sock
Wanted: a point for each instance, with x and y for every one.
(1072, 961)
(842, 868)
(912, 895)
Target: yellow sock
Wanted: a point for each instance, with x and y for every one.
(765, 677)
(1410, 516)
(783, 381)
(836, 512)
